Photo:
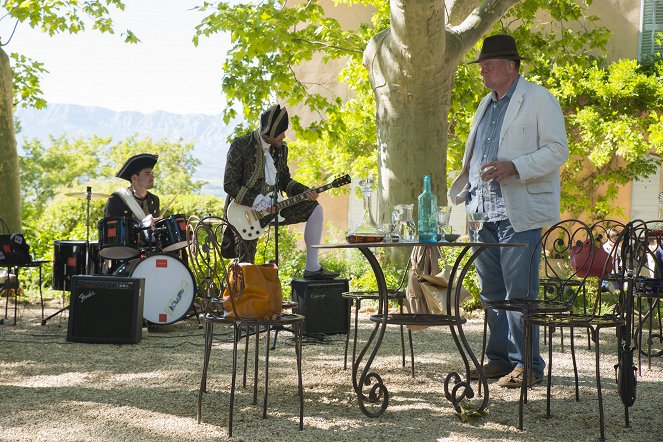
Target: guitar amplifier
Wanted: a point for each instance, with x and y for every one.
(321, 302)
(106, 309)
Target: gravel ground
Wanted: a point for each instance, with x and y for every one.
(51, 389)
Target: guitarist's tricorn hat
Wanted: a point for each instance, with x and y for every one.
(137, 163)
(273, 122)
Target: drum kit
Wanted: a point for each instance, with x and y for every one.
(133, 251)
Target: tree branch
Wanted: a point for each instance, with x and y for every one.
(329, 46)
(481, 20)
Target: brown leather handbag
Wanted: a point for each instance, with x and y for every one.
(255, 291)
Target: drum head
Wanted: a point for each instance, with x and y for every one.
(169, 288)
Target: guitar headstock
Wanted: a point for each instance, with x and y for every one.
(341, 181)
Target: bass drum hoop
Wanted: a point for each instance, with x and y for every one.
(163, 274)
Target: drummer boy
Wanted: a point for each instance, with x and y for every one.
(136, 201)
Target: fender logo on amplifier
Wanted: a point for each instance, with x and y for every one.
(84, 296)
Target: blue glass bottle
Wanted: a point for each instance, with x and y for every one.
(427, 214)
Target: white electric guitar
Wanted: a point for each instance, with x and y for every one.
(250, 223)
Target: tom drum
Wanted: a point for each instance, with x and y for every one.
(172, 233)
(118, 238)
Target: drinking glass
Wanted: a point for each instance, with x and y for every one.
(443, 214)
(486, 187)
(475, 222)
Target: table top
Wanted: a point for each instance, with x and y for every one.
(34, 263)
(346, 245)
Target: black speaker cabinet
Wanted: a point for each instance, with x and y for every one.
(321, 302)
(106, 309)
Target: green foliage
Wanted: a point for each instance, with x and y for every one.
(613, 124)
(69, 16)
(610, 125)
(27, 75)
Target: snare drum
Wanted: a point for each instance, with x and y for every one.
(172, 233)
(169, 287)
(69, 260)
(118, 238)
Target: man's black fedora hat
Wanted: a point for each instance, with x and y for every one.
(499, 46)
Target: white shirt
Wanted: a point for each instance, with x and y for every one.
(270, 168)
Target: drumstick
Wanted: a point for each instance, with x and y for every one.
(169, 203)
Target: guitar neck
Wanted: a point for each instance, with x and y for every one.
(301, 197)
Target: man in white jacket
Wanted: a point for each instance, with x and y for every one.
(510, 173)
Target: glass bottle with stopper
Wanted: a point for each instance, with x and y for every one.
(368, 230)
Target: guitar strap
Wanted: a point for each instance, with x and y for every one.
(128, 198)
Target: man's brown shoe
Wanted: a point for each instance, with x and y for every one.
(515, 379)
(491, 371)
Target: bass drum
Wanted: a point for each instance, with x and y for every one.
(69, 260)
(169, 287)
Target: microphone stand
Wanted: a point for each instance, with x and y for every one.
(277, 161)
(88, 197)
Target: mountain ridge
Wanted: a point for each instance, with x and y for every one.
(208, 133)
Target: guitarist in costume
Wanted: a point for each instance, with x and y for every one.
(250, 175)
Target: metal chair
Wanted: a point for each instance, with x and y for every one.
(605, 313)
(211, 271)
(649, 288)
(559, 286)
(356, 298)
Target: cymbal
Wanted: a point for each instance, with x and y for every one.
(93, 195)
(213, 221)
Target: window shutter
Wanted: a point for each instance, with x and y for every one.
(651, 30)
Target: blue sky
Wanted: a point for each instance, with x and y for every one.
(165, 72)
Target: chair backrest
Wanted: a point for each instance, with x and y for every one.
(646, 255)
(565, 243)
(207, 264)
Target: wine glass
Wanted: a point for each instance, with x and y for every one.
(443, 214)
(475, 222)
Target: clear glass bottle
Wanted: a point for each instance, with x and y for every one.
(427, 213)
(368, 230)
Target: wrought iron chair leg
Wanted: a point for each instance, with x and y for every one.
(575, 366)
(523, 386)
(237, 336)
(264, 404)
(203, 376)
(298, 354)
(246, 352)
(409, 334)
(551, 329)
(347, 334)
(649, 334)
(400, 309)
(598, 385)
(483, 346)
(255, 368)
(354, 340)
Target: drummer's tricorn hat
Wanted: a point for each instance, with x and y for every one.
(137, 163)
